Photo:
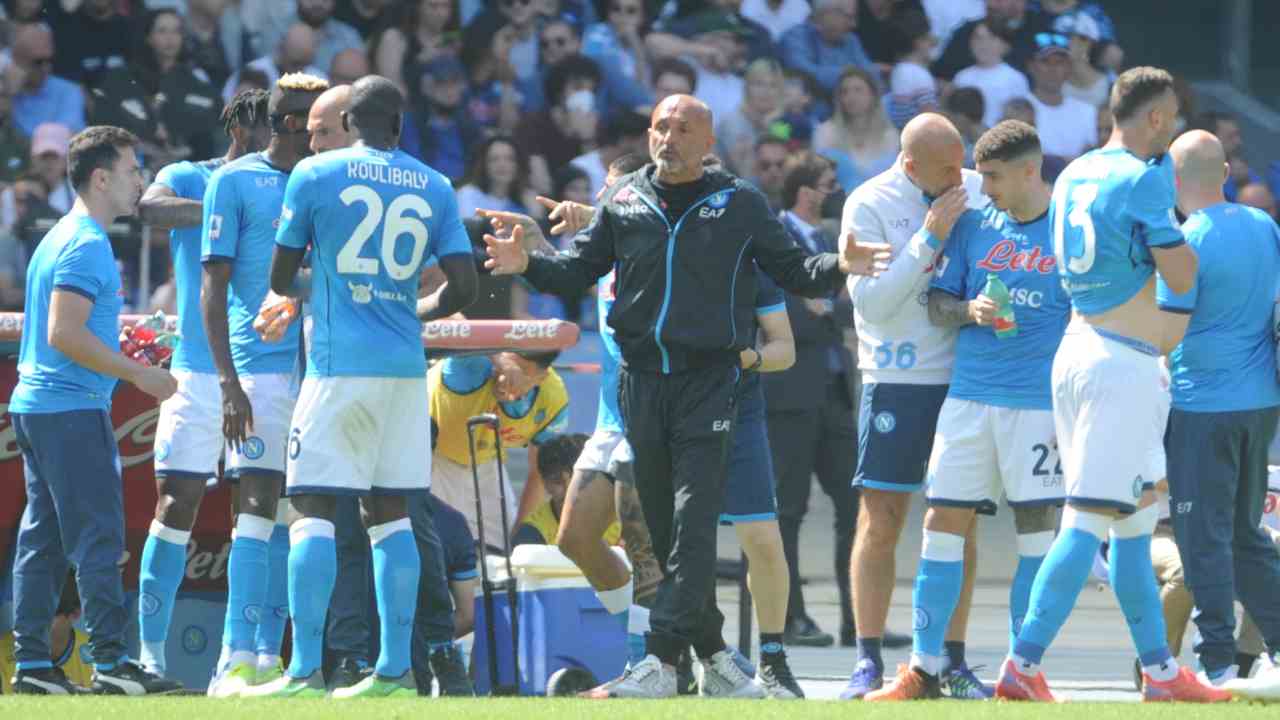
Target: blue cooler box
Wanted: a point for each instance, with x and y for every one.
(561, 624)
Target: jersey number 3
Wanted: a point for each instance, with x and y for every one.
(1081, 258)
(394, 224)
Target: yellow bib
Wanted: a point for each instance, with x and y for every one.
(544, 521)
(78, 669)
(451, 410)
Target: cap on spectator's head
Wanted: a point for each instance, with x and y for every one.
(1048, 43)
(445, 67)
(1078, 23)
(50, 137)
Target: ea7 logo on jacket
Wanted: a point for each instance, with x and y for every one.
(715, 205)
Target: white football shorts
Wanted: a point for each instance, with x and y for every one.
(272, 398)
(1109, 411)
(595, 454)
(360, 435)
(189, 429)
(981, 451)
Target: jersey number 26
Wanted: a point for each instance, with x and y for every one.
(394, 224)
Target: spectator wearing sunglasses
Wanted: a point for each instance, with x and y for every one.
(770, 157)
(1067, 126)
(617, 93)
(41, 96)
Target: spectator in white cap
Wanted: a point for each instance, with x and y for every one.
(49, 160)
(1067, 126)
(1085, 81)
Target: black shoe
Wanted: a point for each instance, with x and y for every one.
(774, 676)
(44, 681)
(848, 636)
(128, 678)
(803, 631)
(348, 671)
(1245, 662)
(894, 640)
(686, 682)
(451, 671)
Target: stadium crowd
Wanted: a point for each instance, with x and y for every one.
(820, 116)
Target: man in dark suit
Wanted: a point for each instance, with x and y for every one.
(811, 406)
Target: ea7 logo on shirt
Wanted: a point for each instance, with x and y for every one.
(720, 426)
(715, 205)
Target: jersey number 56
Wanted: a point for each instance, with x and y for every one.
(394, 224)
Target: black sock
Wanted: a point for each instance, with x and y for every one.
(955, 653)
(770, 643)
(1245, 661)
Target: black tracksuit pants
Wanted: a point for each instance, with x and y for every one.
(680, 428)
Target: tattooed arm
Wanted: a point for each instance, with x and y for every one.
(947, 310)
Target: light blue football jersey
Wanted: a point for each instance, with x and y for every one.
(1109, 209)
(374, 219)
(1226, 361)
(188, 180)
(241, 212)
(74, 256)
(608, 416)
(1005, 372)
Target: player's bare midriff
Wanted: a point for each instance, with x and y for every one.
(1138, 318)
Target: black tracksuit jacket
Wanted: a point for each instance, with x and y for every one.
(685, 290)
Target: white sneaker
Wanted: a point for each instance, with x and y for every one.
(233, 680)
(721, 677)
(650, 678)
(1262, 687)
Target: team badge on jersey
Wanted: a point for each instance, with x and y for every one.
(885, 422)
(1137, 487)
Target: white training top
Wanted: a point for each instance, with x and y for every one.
(896, 341)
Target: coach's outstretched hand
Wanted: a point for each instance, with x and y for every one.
(862, 258)
(507, 255)
(571, 216)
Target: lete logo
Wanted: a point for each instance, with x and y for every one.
(1005, 255)
(532, 330)
(135, 436)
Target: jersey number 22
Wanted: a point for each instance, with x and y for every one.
(394, 224)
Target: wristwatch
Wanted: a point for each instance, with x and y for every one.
(758, 361)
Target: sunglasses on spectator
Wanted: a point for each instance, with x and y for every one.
(1048, 40)
(558, 41)
(625, 9)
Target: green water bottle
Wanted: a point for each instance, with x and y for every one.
(1006, 325)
